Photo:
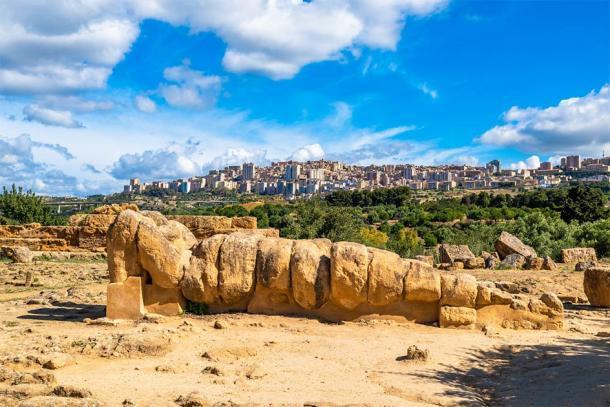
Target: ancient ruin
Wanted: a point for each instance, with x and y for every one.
(156, 265)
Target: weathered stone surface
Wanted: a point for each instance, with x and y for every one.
(18, 254)
(273, 263)
(125, 300)
(178, 235)
(385, 277)
(458, 290)
(474, 263)
(508, 244)
(597, 286)
(553, 302)
(163, 301)
(164, 262)
(577, 254)
(457, 317)
(422, 285)
(450, 253)
(426, 259)
(237, 262)
(310, 271)
(156, 216)
(513, 261)
(534, 263)
(244, 222)
(122, 252)
(349, 274)
(114, 209)
(548, 264)
(200, 282)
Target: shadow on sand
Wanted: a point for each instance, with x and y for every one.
(573, 372)
(66, 311)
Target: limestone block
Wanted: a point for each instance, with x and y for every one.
(577, 254)
(349, 274)
(426, 259)
(273, 263)
(159, 257)
(124, 300)
(163, 301)
(386, 277)
(457, 317)
(458, 290)
(244, 222)
(122, 253)
(422, 285)
(200, 282)
(450, 253)
(474, 263)
(237, 261)
(508, 244)
(310, 272)
(597, 286)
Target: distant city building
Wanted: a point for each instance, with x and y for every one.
(494, 166)
(293, 171)
(249, 171)
(546, 166)
(573, 162)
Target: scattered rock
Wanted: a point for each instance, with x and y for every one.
(254, 373)
(578, 254)
(165, 369)
(584, 265)
(192, 400)
(451, 253)
(513, 261)
(219, 325)
(57, 361)
(548, 264)
(474, 263)
(101, 321)
(213, 370)
(18, 254)
(415, 354)
(508, 244)
(71, 391)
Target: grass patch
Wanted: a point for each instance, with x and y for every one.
(196, 308)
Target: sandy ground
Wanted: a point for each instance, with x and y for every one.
(274, 360)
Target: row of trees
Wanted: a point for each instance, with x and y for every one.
(18, 206)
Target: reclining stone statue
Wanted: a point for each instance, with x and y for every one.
(156, 265)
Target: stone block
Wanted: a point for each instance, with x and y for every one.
(163, 301)
(124, 300)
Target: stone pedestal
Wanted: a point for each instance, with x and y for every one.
(124, 300)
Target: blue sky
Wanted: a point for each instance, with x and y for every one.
(95, 92)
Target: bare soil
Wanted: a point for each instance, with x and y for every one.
(278, 360)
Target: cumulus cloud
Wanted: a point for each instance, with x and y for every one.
(145, 104)
(578, 124)
(237, 156)
(530, 163)
(309, 152)
(172, 161)
(190, 88)
(91, 168)
(75, 103)
(18, 166)
(49, 46)
(50, 117)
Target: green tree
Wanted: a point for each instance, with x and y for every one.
(18, 206)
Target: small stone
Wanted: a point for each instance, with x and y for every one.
(219, 325)
(71, 391)
(58, 360)
(213, 370)
(415, 354)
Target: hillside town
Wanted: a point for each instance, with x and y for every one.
(300, 180)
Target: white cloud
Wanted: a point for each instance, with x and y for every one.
(309, 152)
(578, 124)
(75, 103)
(341, 116)
(50, 117)
(192, 89)
(237, 156)
(20, 167)
(433, 93)
(531, 163)
(49, 46)
(145, 104)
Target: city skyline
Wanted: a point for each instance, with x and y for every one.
(97, 92)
